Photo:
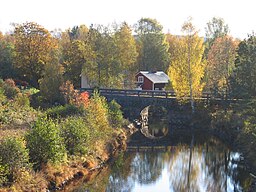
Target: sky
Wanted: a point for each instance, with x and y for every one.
(240, 15)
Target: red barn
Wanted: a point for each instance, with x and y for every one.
(146, 80)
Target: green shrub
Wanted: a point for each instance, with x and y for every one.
(1, 82)
(10, 90)
(75, 134)
(97, 115)
(2, 96)
(64, 111)
(30, 91)
(45, 143)
(14, 156)
(115, 114)
(3, 173)
(22, 100)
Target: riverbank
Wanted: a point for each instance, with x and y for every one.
(44, 149)
(85, 170)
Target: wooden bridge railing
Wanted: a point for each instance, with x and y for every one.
(140, 93)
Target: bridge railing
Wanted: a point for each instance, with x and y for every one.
(130, 92)
(141, 93)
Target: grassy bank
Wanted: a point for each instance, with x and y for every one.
(46, 149)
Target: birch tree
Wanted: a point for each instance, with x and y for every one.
(187, 65)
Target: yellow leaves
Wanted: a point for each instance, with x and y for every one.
(186, 65)
(221, 58)
(33, 46)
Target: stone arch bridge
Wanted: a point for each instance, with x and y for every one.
(134, 101)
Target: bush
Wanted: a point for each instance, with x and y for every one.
(1, 82)
(82, 99)
(45, 143)
(97, 115)
(115, 114)
(22, 100)
(10, 82)
(64, 111)
(10, 90)
(14, 157)
(72, 96)
(2, 96)
(68, 91)
(75, 134)
(3, 173)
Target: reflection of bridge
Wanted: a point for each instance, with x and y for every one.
(150, 148)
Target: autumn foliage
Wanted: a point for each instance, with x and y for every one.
(73, 96)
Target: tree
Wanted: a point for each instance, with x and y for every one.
(77, 54)
(6, 57)
(13, 158)
(103, 62)
(187, 66)
(97, 115)
(244, 77)
(78, 33)
(75, 59)
(215, 28)
(153, 48)
(108, 66)
(92, 69)
(127, 53)
(45, 143)
(221, 63)
(76, 135)
(51, 81)
(33, 45)
(115, 114)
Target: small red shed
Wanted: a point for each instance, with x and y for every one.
(146, 80)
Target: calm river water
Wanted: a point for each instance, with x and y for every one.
(203, 165)
(180, 161)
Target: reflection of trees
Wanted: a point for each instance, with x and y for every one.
(216, 157)
(179, 171)
(120, 179)
(98, 184)
(147, 167)
(158, 128)
(143, 168)
(211, 168)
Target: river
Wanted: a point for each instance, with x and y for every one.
(158, 159)
(206, 165)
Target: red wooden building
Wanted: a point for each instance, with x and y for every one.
(146, 80)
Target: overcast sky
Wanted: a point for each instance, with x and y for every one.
(240, 15)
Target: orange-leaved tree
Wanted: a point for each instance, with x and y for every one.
(221, 63)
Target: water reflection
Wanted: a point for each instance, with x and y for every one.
(213, 168)
(154, 123)
(158, 129)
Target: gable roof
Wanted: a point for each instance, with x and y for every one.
(155, 77)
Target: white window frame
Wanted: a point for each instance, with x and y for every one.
(140, 79)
